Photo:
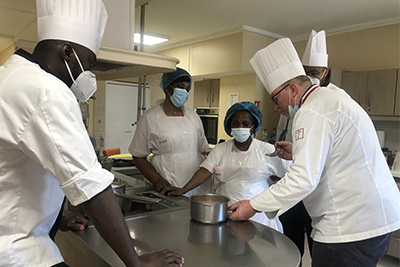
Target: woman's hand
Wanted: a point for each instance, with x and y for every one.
(284, 150)
(175, 191)
(161, 184)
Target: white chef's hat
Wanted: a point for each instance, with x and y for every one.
(276, 64)
(315, 54)
(78, 21)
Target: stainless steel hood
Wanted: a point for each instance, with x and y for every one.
(113, 63)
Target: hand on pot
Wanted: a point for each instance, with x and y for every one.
(241, 210)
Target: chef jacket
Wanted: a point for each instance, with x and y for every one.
(338, 169)
(45, 153)
(242, 175)
(176, 143)
(283, 119)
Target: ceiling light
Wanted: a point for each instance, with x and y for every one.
(149, 39)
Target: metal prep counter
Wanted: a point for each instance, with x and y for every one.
(227, 244)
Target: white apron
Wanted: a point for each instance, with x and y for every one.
(178, 154)
(242, 175)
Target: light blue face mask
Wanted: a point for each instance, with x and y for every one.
(241, 134)
(179, 97)
(293, 110)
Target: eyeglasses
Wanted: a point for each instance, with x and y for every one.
(315, 73)
(273, 98)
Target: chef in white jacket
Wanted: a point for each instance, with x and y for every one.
(239, 167)
(296, 221)
(338, 169)
(174, 135)
(46, 153)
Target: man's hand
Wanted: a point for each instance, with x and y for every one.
(162, 258)
(284, 150)
(241, 210)
(73, 222)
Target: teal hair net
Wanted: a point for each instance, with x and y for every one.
(248, 106)
(168, 77)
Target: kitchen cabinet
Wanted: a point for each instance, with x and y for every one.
(206, 93)
(355, 84)
(115, 114)
(397, 104)
(373, 90)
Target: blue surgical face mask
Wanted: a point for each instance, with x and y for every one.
(241, 134)
(179, 97)
(293, 110)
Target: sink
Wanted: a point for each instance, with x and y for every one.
(137, 185)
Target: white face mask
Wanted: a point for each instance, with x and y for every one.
(85, 85)
(314, 80)
(241, 134)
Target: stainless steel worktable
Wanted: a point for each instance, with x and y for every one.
(227, 244)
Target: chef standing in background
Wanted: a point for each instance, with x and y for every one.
(338, 170)
(174, 134)
(45, 149)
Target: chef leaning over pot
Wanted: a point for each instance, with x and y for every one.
(338, 169)
(45, 149)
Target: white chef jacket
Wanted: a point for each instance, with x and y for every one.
(242, 175)
(283, 119)
(176, 143)
(45, 152)
(339, 170)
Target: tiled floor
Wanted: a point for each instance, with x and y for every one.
(386, 261)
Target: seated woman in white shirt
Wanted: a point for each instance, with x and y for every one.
(239, 167)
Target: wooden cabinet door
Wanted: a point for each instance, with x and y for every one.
(355, 84)
(202, 94)
(214, 93)
(397, 95)
(381, 88)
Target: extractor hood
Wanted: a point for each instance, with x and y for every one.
(113, 63)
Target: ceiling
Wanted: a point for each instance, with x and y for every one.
(186, 21)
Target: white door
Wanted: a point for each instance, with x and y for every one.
(121, 101)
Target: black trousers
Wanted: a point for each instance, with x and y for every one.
(295, 222)
(364, 253)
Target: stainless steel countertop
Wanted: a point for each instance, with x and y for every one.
(227, 244)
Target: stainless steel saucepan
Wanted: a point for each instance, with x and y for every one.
(209, 208)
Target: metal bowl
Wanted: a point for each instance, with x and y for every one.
(209, 208)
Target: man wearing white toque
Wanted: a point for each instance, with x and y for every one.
(46, 153)
(338, 170)
(296, 221)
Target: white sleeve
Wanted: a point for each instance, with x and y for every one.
(56, 138)
(214, 158)
(313, 139)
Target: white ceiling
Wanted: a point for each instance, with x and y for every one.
(193, 20)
